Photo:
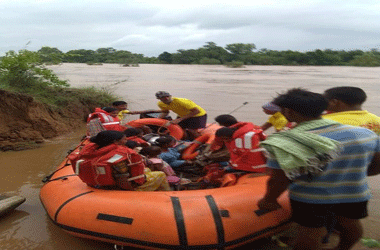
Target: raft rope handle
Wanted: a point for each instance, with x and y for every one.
(61, 178)
(47, 178)
(166, 125)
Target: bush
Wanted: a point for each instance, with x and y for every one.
(235, 64)
(366, 60)
(210, 61)
(24, 71)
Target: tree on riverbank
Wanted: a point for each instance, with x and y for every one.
(211, 53)
(24, 72)
(36, 105)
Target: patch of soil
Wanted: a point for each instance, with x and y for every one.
(26, 123)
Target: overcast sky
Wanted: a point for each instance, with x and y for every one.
(151, 27)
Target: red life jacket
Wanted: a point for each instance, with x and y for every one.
(108, 122)
(95, 166)
(140, 141)
(245, 153)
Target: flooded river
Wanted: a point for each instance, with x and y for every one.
(218, 89)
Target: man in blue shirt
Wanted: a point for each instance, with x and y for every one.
(324, 165)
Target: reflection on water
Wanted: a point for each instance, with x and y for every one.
(216, 88)
(28, 227)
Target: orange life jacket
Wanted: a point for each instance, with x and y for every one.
(96, 167)
(108, 122)
(245, 153)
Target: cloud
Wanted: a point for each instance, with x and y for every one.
(150, 27)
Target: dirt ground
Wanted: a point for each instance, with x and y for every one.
(26, 123)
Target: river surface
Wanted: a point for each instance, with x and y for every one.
(218, 89)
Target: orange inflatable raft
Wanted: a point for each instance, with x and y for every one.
(174, 130)
(219, 218)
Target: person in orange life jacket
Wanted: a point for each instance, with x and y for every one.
(224, 120)
(229, 121)
(122, 107)
(112, 112)
(242, 141)
(108, 151)
(107, 121)
(103, 147)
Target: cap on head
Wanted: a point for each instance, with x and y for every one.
(161, 94)
(271, 107)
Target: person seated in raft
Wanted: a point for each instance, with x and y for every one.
(276, 119)
(155, 163)
(169, 153)
(345, 106)
(107, 162)
(243, 146)
(217, 151)
(101, 120)
(112, 112)
(122, 107)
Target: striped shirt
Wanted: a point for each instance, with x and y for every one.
(344, 179)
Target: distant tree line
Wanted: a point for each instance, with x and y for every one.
(236, 54)
(99, 56)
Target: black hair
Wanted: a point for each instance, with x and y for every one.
(226, 120)
(306, 103)
(348, 95)
(150, 151)
(117, 103)
(132, 132)
(105, 138)
(109, 109)
(225, 132)
(132, 144)
(164, 141)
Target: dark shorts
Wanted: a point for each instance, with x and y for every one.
(319, 215)
(194, 122)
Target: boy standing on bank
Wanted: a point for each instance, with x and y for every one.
(345, 106)
(324, 164)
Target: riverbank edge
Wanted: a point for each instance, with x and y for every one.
(26, 123)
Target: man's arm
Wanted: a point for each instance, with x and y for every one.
(149, 111)
(193, 112)
(276, 185)
(374, 167)
(265, 126)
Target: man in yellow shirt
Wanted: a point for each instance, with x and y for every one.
(345, 105)
(190, 116)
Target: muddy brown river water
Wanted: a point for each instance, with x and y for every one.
(218, 89)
